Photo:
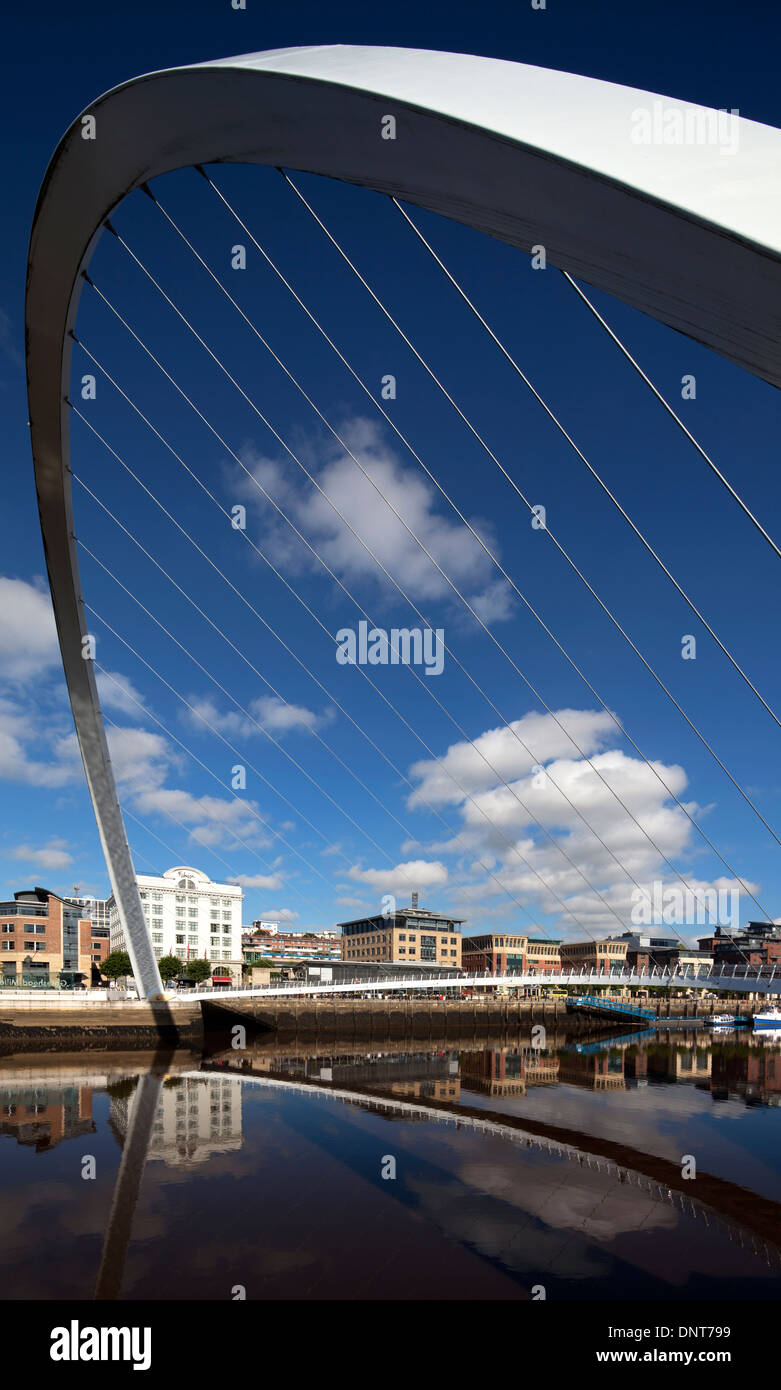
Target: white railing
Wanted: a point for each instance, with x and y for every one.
(744, 979)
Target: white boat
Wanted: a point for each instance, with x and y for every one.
(721, 1021)
(769, 1020)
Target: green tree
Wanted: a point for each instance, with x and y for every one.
(169, 967)
(115, 965)
(197, 970)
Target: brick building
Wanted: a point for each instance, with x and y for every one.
(644, 952)
(758, 943)
(413, 935)
(499, 952)
(594, 955)
(44, 941)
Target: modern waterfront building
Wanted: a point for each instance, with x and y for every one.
(410, 935)
(98, 912)
(188, 916)
(44, 941)
(596, 955)
(498, 952)
(758, 943)
(644, 952)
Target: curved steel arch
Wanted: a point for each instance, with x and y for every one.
(690, 233)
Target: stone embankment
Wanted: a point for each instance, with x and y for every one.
(73, 1022)
(58, 1024)
(444, 1018)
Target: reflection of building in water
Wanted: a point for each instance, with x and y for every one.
(692, 1063)
(429, 1089)
(600, 1072)
(503, 1071)
(424, 1075)
(681, 1061)
(195, 1119)
(755, 1075)
(43, 1115)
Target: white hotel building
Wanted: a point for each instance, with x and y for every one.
(188, 916)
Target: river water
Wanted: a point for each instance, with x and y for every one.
(635, 1168)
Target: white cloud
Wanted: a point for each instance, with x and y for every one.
(451, 544)
(496, 828)
(502, 749)
(272, 714)
(118, 692)
(269, 881)
(402, 878)
(28, 637)
(24, 735)
(50, 856)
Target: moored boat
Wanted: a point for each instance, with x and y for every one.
(769, 1020)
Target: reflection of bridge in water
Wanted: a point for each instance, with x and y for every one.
(429, 1085)
(751, 1221)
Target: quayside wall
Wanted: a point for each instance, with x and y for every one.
(444, 1018)
(58, 1024)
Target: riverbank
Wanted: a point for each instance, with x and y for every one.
(76, 1024)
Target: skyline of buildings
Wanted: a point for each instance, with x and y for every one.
(47, 939)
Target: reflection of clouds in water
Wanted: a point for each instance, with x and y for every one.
(559, 1194)
(667, 1121)
(518, 1245)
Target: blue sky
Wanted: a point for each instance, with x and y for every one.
(466, 844)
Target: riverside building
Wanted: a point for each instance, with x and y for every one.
(412, 935)
(189, 916)
(96, 911)
(498, 952)
(44, 941)
(595, 955)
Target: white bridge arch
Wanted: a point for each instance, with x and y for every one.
(689, 233)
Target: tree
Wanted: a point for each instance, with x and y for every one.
(115, 965)
(197, 970)
(169, 967)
